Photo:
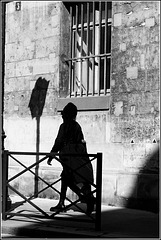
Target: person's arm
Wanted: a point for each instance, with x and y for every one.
(59, 142)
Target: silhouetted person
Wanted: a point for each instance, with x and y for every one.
(70, 139)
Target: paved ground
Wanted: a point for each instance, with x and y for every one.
(116, 223)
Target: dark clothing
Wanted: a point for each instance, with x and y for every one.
(69, 132)
(68, 141)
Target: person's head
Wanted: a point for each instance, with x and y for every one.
(69, 112)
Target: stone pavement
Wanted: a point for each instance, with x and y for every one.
(116, 222)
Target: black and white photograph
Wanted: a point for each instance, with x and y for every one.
(80, 119)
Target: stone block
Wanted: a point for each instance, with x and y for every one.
(148, 186)
(117, 19)
(24, 68)
(142, 61)
(17, 84)
(108, 186)
(118, 108)
(150, 22)
(132, 110)
(134, 155)
(132, 72)
(24, 52)
(10, 54)
(9, 103)
(112, 83)
(123, 47)
(32, 85)
(127, 185)
(10, 8)
(10, 70)
(46, 46)
(94, 126)
(112, 156)
(45, 66)
(152, 157)
(152, 81)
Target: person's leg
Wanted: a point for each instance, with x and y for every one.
(85, 195)
(60, 205)
(90, 199)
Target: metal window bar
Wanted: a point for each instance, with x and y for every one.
(71, 49)
(6, 184)
(80, 25)
(82, 14)
(87, 60)
(93, 50)
(76, 39)
(105, 47)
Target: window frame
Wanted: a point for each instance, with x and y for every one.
(100, 100)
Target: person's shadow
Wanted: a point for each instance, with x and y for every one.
(36, 105)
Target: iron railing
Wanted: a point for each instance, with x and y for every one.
(6, 185)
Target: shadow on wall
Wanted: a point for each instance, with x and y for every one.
(146, 187)
(36, 105)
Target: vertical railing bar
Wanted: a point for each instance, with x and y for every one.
(4, 183)
(82, 14)
(71, 49)
(99, 191)
(93, 46)
(99, 46)
(87, 49)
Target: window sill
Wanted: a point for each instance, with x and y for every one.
(86, 103)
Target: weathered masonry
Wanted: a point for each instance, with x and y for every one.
(102, 56)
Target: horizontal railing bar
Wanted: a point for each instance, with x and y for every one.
(51, 154)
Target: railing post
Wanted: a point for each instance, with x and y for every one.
(5, 202)
(98, 191)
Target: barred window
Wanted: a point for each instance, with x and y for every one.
(90, 49)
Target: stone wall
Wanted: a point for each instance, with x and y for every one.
(134, 111)
(37, 38)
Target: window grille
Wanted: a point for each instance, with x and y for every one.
(90, 49)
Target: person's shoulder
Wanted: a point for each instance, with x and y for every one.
(61, 126)
(77, 124)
